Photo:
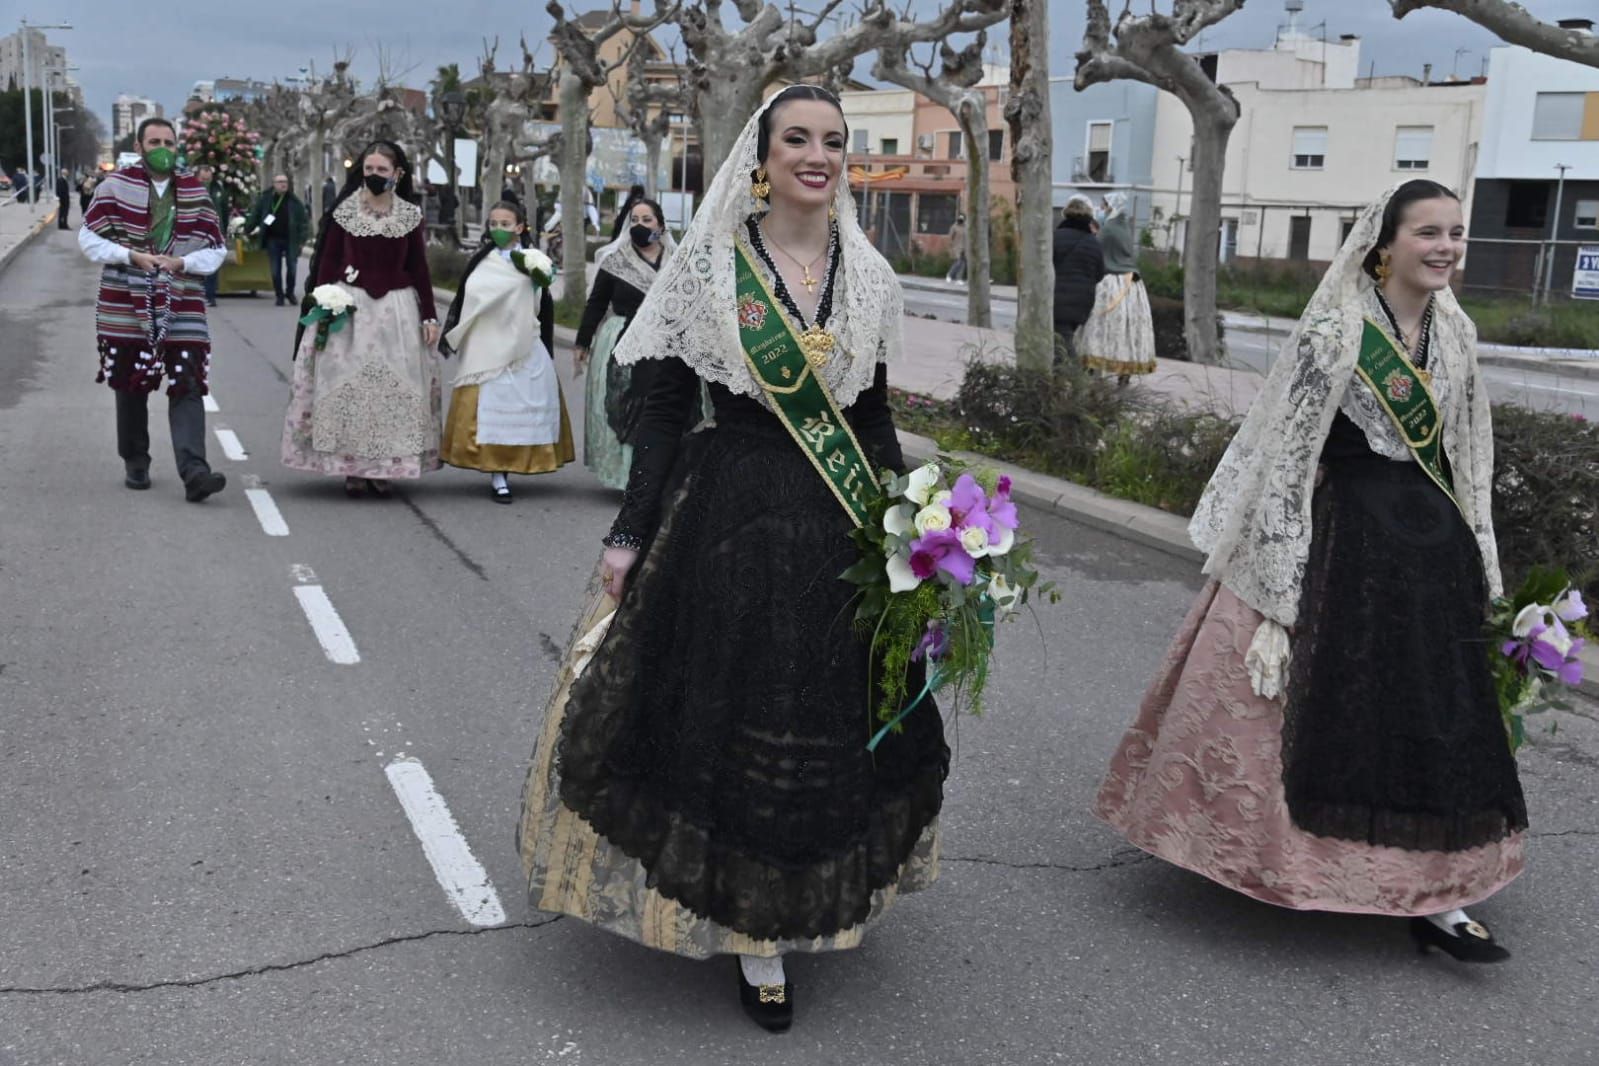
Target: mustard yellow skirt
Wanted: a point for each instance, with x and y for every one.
(462, 449)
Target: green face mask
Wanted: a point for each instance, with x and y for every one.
(502, 238)
(161, 160)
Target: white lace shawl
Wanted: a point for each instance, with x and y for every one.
(620, 260)
(1254, 519)
(690, 312)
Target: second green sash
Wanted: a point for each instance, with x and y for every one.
(802, 401)
(1404, 395)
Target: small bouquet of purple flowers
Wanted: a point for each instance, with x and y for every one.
(1538, 633)
(941, 563)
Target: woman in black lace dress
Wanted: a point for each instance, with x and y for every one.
(702, 782)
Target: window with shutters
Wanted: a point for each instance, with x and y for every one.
(891, 146)
(1099, 138)
(1558, 116)
(1310, 147)
(1587, 216)
(996, 145)
(954, 145)
(1412, 147)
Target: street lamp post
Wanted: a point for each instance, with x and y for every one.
(454, 105)
(1554, 234)
(27, 99)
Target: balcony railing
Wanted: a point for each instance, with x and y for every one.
(1092, 172)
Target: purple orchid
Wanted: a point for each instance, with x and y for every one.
(934, 642)
(940, 549)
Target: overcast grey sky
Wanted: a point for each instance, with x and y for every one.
(160, 48)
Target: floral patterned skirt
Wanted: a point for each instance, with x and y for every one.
(369, 404)
(1198, 781)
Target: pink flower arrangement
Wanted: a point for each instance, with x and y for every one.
(1540, 634)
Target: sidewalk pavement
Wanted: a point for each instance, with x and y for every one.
(20, 223)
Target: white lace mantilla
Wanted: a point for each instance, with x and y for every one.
(359, 220)
(622, 261)
(690, 311)
(1253, 521)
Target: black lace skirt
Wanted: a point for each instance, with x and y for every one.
(719, 735)
(1391, 730)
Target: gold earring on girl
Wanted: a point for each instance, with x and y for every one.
(761, 188)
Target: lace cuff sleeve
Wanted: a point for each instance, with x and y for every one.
(666, 410)
(873, 420)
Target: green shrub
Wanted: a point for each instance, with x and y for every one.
(1163, 460)
(446, 264)
(1560, 325)
(1054, 422)
(1167, 317)
(1546, 494)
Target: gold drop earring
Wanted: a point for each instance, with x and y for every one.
(761, 188)
(1383, 270)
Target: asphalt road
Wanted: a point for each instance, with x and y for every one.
(203, 861)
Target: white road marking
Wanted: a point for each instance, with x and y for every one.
(462, 877)
(266, 512)
(336, 641)
(210, 402)
(302, 574)
(232, 447)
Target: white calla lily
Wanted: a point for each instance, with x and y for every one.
(900, 576)
(899, 520)
(1002, 546)
(1530, 615)
(922, 480)
(1003, 593)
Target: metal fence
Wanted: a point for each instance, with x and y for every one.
(1542, 271)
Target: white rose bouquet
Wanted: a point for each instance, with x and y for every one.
(941, 563)
(332, 312)
(536, 265)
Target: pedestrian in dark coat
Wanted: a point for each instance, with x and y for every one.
(1079, 264)
(284, 224)
(63, 197)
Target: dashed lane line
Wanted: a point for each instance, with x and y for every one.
(464, 880)
(329, 628)
(232, 447)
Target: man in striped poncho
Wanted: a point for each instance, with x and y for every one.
(156, 234)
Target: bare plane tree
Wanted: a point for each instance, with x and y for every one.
(514, 100)
(1032, 151)
(582, 71)
(953, 87)
(1516, 25)
(732, 68)
(647, 107)
(1148, 48)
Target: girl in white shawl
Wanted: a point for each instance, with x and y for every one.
(702, 782)
(507, 415)
(1368, 772)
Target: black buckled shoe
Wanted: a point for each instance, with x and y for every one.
(135, 476)
(200, 486)
(771, 1006)
(1471, 942)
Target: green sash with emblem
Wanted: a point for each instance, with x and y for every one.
(1403, 392)
(785, 363)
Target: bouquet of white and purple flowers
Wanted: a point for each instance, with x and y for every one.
(1538, 633)
(941, 564)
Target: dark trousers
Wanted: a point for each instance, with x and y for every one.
(211, 287)
(185, 418)
(61, 215)
(284, 260)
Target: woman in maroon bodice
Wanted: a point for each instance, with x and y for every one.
(366, 405)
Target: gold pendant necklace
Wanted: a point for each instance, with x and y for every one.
(817, 345)
(806, 280)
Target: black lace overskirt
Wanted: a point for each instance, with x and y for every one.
(1391, 730)
(719, 734)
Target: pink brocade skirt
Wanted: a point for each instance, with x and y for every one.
(1197, 781)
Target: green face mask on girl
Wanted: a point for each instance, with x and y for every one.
(502, 238)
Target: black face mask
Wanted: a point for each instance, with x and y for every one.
(643, 236)
(377, 184)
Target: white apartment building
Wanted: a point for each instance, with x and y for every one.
(881, 122)
(128, 111)
(1313, 145)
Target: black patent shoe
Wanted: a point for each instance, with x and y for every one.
(1471, 941)
(771, 1006)
(136, 477)
(200, 486)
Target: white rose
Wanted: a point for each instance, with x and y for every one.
(538, 261)
(922, 480)
(1007, 539)
(975, 540)
(900, 576)
(898, 520)
(932, 518)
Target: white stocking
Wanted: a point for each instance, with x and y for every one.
(1449, 919)
(759, 970)
(500, 482)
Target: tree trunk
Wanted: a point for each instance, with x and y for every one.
(725, 106)
(574, 174)
(652, 155)
(1213, 124)
(973, 118)
(1027, 111)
